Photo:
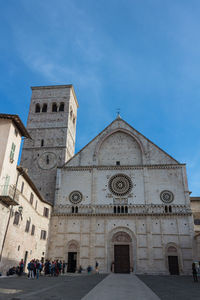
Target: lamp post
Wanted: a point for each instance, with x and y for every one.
(20, 172)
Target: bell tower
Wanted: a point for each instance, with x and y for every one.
(52, 126)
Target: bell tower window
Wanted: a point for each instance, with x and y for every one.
(54, 107)
(44, 107)
(62, 106)
(37, 108)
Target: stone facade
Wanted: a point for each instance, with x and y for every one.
(195, 206)
(52, 126)
(23, 212)
(113, 196)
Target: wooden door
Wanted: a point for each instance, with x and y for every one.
(173, 265)
(122, 259)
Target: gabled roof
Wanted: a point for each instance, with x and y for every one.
(116, 120)
(18, 123)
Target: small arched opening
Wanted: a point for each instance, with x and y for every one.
(44, 107)
(54, 107)
(37, 108)
(62, 106)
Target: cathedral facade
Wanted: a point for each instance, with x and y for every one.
(121, 201)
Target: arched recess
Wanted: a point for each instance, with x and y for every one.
(122, 236)
(72, 255)
(119, 146)
(173, 253)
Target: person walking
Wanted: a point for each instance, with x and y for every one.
(194, 272)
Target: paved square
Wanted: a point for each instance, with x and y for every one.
(173, 287)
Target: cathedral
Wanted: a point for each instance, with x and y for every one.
(120, 201)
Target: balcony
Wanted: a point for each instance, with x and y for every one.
(8, 195)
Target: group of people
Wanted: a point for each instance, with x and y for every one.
(49, 268)
(54, 268)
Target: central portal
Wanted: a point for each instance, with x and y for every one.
(122, 259)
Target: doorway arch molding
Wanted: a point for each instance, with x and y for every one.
(73, 246)
(124, 236)
(173, 249)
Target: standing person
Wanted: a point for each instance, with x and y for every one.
(194, 272)
(63, 267)
(37, 268)
(60, 267)
(21, 267)
(97, 267)
(30, 268)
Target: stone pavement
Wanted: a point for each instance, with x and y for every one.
(120, 287)
(100, 286)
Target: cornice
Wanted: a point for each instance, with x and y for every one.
(125, 167)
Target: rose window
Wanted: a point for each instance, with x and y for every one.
(120, 185)
(75, 197)
(166, 196)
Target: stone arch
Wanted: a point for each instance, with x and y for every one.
(172, 249)
(123, 236)
(116, 141)
(73, 246)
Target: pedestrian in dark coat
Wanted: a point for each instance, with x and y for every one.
(194, 272)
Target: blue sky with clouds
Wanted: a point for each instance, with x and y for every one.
(142, 56)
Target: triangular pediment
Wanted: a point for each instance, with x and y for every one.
(120, 143)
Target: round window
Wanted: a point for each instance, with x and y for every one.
(75, 197)
(120, 184)
(166, 196)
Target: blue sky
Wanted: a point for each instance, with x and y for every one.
(142, 56)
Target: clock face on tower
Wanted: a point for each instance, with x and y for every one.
(47, 160)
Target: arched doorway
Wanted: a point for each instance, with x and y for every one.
(72, 256)
(122, 243)
(173, 262)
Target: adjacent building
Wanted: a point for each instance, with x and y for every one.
(24, 214)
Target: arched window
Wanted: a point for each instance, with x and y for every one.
(115, 209)
(42, 143)
(126, 209)
(170, 209)
(72, 209)
(37, 108)
(118, 209)
(54, 107)
(76, 209)
(62, 105)
(44, 107)
(122, 209)
(166, 209)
